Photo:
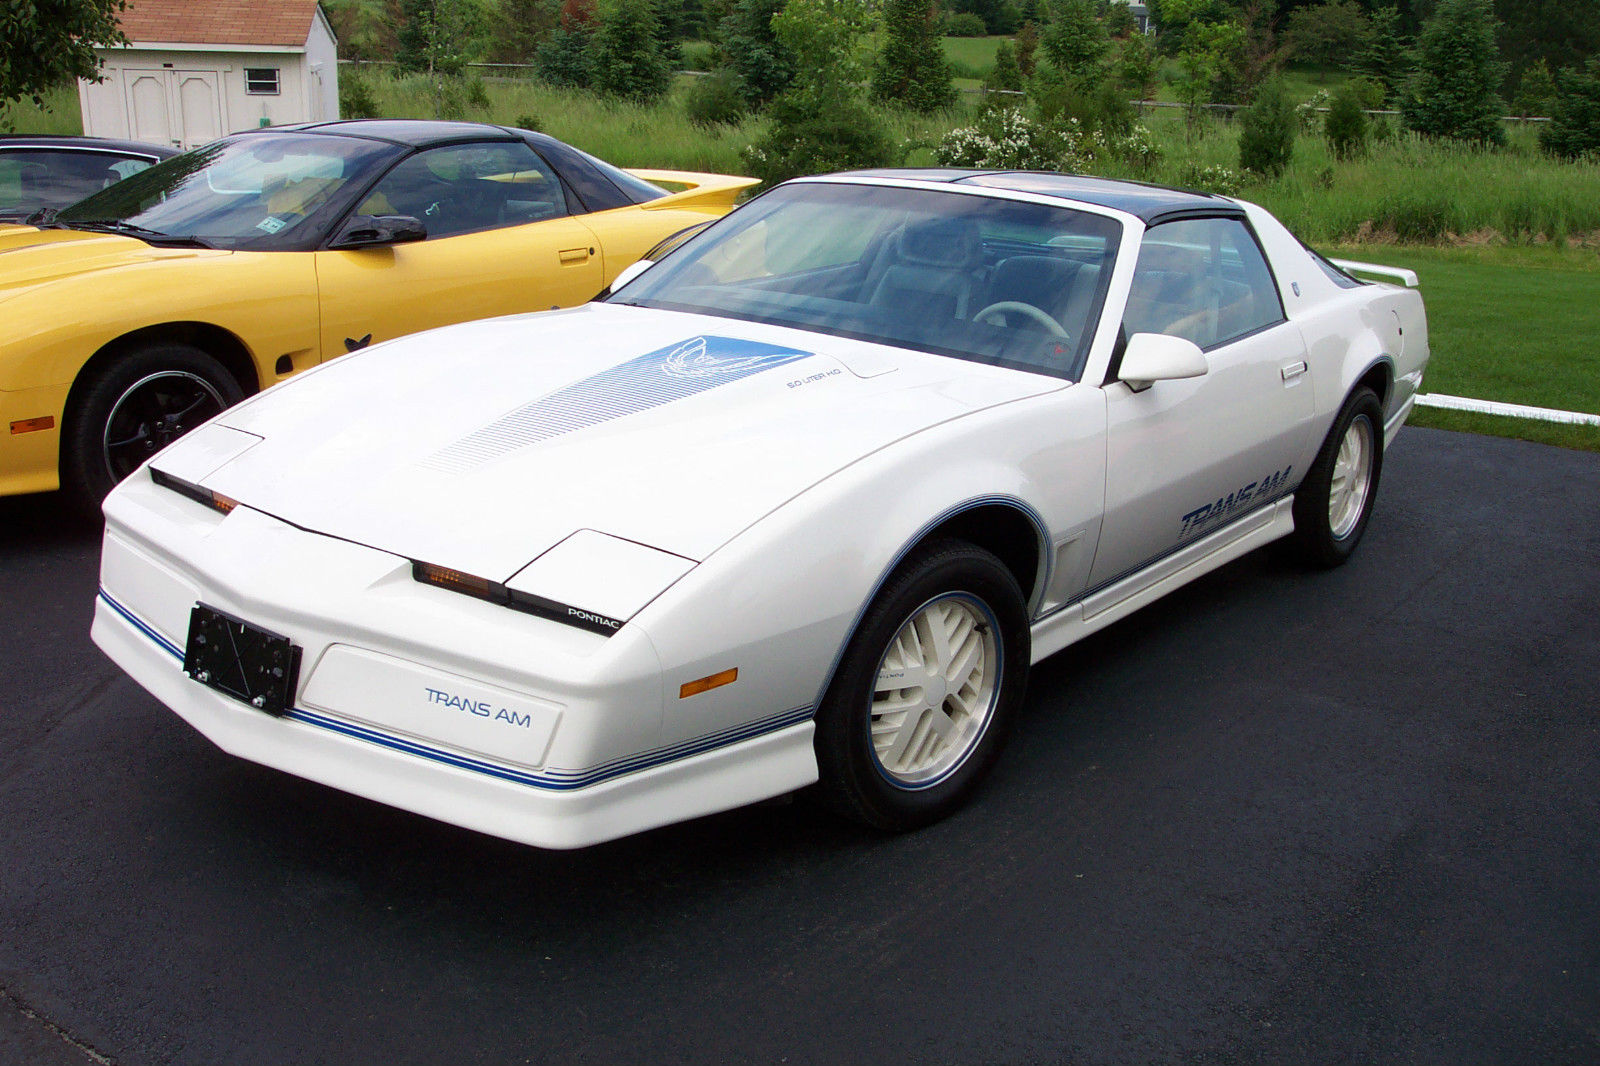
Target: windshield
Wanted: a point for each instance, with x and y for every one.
(996, 281)
(243, 192)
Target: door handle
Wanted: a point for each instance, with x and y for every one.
(1294, 370)
(574, 255)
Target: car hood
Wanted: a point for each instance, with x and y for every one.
(32, 257)
(480, 446)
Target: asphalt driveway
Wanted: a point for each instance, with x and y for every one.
(1278, 817)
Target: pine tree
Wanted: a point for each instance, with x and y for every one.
(629, 60)
(911, 69)
(1453, 93)
(1006, 74)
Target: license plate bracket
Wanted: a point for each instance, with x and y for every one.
(253, 665)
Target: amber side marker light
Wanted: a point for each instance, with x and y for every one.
(199, 493)
(33, 425)
(706, 684)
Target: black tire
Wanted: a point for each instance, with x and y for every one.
(135, 405)
(918, 777)
(1330, 509)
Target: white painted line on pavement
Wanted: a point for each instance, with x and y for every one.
(1510, 410)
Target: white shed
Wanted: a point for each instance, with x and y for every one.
(197, 69)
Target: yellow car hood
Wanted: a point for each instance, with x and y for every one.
(32, 257)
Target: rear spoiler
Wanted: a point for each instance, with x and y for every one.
(696, 190)
(1408, 278)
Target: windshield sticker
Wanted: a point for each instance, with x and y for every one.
(271, 224)
(675, 372)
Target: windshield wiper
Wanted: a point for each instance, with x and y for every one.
(116, 225)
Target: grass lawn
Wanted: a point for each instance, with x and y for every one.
(972, 57)
(1515, 325)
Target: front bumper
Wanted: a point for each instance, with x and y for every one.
(564, 756)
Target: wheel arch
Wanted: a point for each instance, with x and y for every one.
(1005, 526)
(222, 345)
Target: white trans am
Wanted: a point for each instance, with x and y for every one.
(799, 503)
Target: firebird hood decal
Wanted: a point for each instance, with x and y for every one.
(656, 378)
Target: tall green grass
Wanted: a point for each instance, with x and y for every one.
(1403, 189)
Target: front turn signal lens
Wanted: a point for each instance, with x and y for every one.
(455, 581)
(199, 493)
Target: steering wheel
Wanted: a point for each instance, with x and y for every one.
(1028, 310)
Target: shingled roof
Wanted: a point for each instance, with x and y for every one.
(227, 22)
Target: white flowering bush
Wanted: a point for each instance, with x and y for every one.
(1005, 138)
(1212, 179)
(1310, 112)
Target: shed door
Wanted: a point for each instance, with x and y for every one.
(182, 108)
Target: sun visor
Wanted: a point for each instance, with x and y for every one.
(601, 574)
(196, 456)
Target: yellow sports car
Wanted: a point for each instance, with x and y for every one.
(138, 313)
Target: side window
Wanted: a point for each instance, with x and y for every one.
(466, 187)
(1201, 279)
(42, 178)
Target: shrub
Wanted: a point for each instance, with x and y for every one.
(356, 98)
(716, 99)
(477, 95)
(564, 59)
(1075, 38)
(1574, 126)
(1266, 137)
(1458, 70)
(800, 141)
(1309, 111)
(1346, 123)
(965, 24)
(528, 121)
(1004, 137)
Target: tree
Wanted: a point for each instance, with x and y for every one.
(1331, 33)
(1387, 57)
(1074, 39)
(521, 27)
(435, 36)
(1266, 135)
(565, 58)
(1027, 48)
(1136, 67)
(1005, 74)
(1536, 92)
(763, 64)
(911, 69)
(44, 43)
(1453, 92)
(820, 123)
(628, 58)
(1574, 127)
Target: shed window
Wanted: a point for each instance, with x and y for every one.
(261, 81)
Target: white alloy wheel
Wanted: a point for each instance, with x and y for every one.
(936, 690)
(1352, 479)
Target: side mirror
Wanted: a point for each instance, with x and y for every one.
(629, 272)
(375, 231)
(1153, 357)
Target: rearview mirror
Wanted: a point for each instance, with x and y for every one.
(1153, 357)
(374, 231)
